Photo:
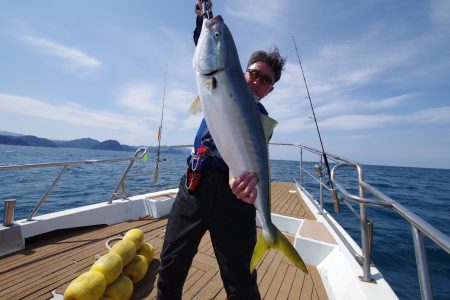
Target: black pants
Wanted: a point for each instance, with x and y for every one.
(231, 223)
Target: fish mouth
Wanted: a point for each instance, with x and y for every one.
(210, 73)
(207, 72)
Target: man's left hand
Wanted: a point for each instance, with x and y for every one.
(244, 187)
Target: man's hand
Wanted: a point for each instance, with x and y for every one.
(199, 4)
(244, 187)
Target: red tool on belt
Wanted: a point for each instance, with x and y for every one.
(194, 172)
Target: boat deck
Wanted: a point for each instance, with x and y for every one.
(51, 261)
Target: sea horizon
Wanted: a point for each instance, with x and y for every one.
(178, 146)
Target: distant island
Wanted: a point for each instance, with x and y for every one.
(8, 138)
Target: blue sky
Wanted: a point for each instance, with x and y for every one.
(378, 72)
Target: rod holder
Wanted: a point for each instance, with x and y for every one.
(8, 218)
(336, 205)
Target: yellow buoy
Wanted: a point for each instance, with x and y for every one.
(135, 235)
(148, 251)
(87, 286)
(110, 265)
(120, 289)
(136, 269)
(126, 249)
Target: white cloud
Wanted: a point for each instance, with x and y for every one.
(289, 98)
(436, 115)
(349, 106)
(141, 97)
(191, 122)
(357, 122)
(147, 99)
(386, 103)
(264, 13)
(381, 54)
(76, 119)
(440, 12)
(351, 137)
(293, 125)
(69, 113)
(75, 58)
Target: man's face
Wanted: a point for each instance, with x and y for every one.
(260, 78)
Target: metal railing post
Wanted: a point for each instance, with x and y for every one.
(138, 154)
(367, 277)
(301, 166)
(50, 189)
(422, 265)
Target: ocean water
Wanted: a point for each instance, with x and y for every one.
(425, 192)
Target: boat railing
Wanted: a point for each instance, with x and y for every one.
(420, 227)
(120, 190)
(65, 167)
(140, 153)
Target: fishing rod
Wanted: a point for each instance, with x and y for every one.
(158, 160)
(332, 189)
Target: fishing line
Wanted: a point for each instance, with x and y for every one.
(156, 173)
(314, 115)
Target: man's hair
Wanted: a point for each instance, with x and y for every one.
(272, 58)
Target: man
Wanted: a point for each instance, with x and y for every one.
(206, 201)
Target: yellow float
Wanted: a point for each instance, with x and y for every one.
(135, 235)
(148, 251)
(137, 268)
(120, 289)
(126, 249)
(88, 286)
(110, 265)
(111, 277)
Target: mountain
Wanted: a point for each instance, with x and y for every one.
(37, 142)
(109, 145)
(9, 138)
(130, 148)
(85, 143)
(169, 150)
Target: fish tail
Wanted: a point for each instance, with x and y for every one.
(282, 244)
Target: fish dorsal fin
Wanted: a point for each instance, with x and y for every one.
(269, 125)
(195, 107)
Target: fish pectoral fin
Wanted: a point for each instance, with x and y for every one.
(211, 84)
(260, 248)
(195, 107)
(269, 125)
(282, 244)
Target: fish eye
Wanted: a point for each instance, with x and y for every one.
(217, 34)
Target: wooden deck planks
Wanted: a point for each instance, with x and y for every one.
(286, 200)
(53, 260)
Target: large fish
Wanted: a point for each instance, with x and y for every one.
(239, 130)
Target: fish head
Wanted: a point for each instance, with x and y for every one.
(214, 48)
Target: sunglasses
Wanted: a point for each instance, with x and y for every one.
(255, 75)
